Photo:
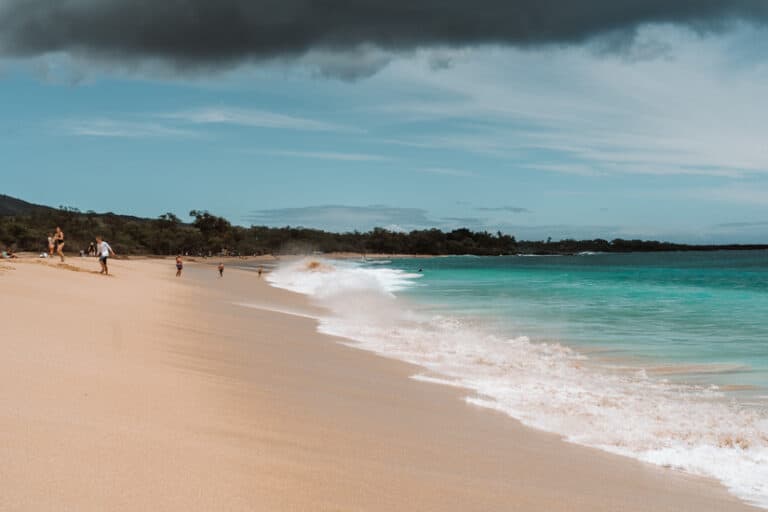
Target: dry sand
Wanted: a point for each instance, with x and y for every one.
(141, 391)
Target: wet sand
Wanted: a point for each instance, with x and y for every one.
(141, 391)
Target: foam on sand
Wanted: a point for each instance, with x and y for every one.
(544, 385)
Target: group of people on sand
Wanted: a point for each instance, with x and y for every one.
(101, 248)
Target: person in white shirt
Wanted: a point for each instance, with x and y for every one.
(104, 250)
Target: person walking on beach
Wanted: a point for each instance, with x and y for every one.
(261, 269)
(50, 244)
(58, 243)
(104, 250)
(179, 265)
(221, 269)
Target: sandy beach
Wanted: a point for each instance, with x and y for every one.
(141, 391)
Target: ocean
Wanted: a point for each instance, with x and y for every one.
(662, 357)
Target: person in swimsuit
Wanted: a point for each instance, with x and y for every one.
(58, 242)
(221, 269)
(179, 265)
(104, 250)
(50, 244)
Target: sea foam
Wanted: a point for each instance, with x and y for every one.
(548, 386)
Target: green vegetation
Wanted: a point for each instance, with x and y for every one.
(25, 227)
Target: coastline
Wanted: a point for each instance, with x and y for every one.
(143, 391)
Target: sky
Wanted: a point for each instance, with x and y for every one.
(620, 119)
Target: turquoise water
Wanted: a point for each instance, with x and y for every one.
(695, 316)
(660, 357)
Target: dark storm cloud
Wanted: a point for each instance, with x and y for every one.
(212, 33)
(440, 62)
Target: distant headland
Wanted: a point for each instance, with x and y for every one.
(25, 226)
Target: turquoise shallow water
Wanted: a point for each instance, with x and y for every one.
(695, 316)
(659, 357)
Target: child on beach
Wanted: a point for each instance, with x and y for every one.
(179, 265)
(261, 269)
(104, 250)
(221, 269)
(50, 244)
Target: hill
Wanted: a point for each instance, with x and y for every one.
(25, 227)
(10, 206)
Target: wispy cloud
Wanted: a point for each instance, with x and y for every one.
(577, 169)
(742, 193)
(178, 124)
(741, 232)
(470, 143)
(119, 129)
(510, 209)
(362, 218)
(342, 217)
(676, 115)
(742, 224)
(254, 118)
(444, 171)
(327, 155)
(464, 222)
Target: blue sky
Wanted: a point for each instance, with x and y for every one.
(665, 139)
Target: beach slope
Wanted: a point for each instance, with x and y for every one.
(141, 391)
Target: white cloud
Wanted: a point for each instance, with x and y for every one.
(254, 118)
(175, 125)
(119, 128)
(686, 110)
(327, 155)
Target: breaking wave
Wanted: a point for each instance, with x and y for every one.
(548, 386)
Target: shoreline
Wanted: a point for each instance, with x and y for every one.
(142, 387)
(619, 407)
(274, 258)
